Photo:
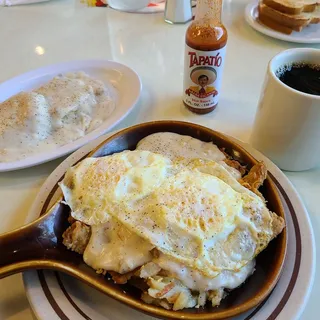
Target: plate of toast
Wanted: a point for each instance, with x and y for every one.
(288, 20)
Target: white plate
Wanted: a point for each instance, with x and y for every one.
(57, 296)
(125, 80)
(310, 34)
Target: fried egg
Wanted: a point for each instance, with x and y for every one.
(176, 146)
(96, 185)
(194, 211)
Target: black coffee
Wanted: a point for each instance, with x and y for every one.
(302, 77)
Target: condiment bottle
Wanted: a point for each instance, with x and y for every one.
(205, 48)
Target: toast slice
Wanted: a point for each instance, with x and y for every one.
(293, 6)
(276, 26)
(297, 22)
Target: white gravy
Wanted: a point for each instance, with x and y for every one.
(114, 248)
(194, 280)
(57, 113)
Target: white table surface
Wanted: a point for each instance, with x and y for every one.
(66, 30)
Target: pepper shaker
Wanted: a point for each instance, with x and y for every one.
(178, 11)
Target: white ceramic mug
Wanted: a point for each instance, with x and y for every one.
(287, 124)
(128, 5)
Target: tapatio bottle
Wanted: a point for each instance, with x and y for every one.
(205, 49)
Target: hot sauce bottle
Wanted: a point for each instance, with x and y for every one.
(206, 40)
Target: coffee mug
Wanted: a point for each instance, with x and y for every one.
(287, 123)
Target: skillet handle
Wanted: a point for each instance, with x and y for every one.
(33, 246)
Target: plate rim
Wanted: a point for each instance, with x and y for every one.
(307, 289)
(63, 150)
(273, 33)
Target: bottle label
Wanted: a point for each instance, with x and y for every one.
(202, 77)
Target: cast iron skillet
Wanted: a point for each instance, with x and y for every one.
(39, 245)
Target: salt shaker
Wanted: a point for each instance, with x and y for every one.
(178, 11)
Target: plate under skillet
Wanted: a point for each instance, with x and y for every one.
(120, 76)
(57, 296)
(310, 34)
